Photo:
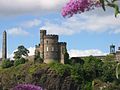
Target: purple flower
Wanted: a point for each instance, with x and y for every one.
(79, 6)
(27, 87)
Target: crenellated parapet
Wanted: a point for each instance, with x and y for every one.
(62, 43)
(51, 36)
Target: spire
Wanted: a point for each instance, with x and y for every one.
(4, 45)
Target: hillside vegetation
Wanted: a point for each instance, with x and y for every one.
(87, 74)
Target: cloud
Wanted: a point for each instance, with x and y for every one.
(17, 31)
(84, 22)
(32, 51)
(18, 7)
(78, 53)
(31, 23)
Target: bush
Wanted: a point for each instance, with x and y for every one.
(7, 63)
(19, 61)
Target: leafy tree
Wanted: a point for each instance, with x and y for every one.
(109, 71)
(92, 68)
(77, 73)
(7, 63)
(21, 51)
(19, 61)
(80, 6)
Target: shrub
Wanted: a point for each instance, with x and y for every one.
(19, 61)
(7, 63)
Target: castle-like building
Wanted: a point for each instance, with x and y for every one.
(50, 49)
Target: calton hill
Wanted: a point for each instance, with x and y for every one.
(51, 67)
(77, 73)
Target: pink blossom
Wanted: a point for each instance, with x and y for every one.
(79, 6)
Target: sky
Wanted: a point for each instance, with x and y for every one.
(89, 33)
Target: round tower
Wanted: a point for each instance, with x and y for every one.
(51, 48)
(42, 34)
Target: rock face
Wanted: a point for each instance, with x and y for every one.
(49, 80)
(43, 76)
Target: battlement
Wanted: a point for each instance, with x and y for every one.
(62, 43)
(51, 36)
(37, 46)
(43, 31)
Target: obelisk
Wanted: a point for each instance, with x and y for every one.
(4, 46)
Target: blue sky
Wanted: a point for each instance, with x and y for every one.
(90, 33)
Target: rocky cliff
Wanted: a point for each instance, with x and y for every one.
(43, 75)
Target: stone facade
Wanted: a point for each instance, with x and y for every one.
(50, 49)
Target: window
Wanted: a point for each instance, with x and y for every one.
(52, 48)
(47, 42)
(47, 49)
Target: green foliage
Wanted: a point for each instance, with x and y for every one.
(80, 74)
(19, 61)
(60, 68)
(77, 73)
(92, 68)
(38, 58)
(21, 51)
(109, 72)
(111, 3)
(7, 63)
(110, 57)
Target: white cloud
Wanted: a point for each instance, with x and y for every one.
(78, 53)
(8, 7)
(17, 31)
(31, 23)
(84, 22)
(32, 51)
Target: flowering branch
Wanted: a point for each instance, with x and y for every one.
(80, 6)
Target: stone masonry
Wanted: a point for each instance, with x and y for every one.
(50, 49)
(4, 45)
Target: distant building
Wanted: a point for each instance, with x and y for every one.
(115, 54)
(50, 49)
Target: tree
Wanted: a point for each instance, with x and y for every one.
(109, 71)
(21, 51)
(7, 63)
(80, 6)
(92, 67)
(19, 61)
